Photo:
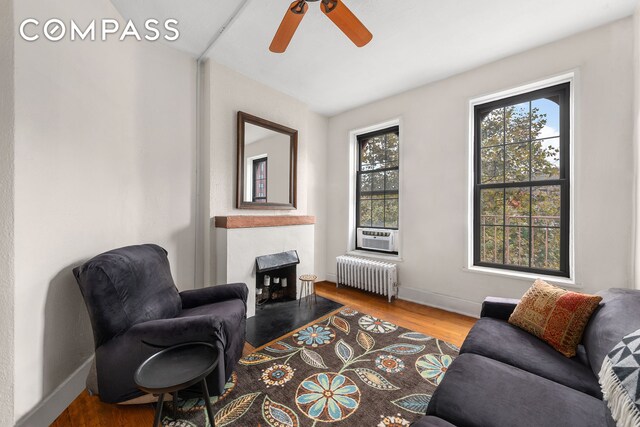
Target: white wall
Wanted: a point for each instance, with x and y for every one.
(105, 157)
(6, 212)
(636, 117)
(435, 146)
(232, 92)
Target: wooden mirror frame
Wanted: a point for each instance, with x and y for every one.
(244, 118)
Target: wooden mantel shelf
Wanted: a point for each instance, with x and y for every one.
(245, 221)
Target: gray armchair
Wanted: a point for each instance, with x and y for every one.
(136, 309)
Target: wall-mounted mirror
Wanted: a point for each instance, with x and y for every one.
(267, 164)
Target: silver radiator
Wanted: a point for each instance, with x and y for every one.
(369, 275)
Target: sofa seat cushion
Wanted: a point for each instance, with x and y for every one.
(430, 421)
(509, 344)
(482, 392)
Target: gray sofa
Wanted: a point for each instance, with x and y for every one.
(506, 377)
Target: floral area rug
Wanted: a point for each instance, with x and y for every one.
(350, 369)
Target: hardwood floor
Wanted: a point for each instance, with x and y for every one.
(88, 411)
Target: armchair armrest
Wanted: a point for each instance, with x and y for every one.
(498, 308)
(168, 332)
(197, 297)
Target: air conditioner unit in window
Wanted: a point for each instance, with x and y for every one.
(377, 239)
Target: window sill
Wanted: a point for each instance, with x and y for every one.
(520, 275)
(375, 255)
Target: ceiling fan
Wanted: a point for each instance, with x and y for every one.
(335, 10)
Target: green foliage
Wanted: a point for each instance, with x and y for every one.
(520, 226)
(379, 181)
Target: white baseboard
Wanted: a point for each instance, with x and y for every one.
(432, 299)
(55, 403)
(444, 302)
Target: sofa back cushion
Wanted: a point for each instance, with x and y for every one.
(127, 286)
(617, 316)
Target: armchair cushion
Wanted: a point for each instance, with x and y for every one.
(164, 333)
(127, 286)
(196, 297)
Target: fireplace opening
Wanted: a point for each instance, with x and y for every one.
(276, 277)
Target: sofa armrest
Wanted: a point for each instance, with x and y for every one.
(498, 308)
(197, 297)
(164, 333)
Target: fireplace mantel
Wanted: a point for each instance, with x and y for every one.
(246, 221)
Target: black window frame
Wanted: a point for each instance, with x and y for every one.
(255, 164)
(360, 140)
(563, 91)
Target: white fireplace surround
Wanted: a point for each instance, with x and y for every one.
(237, 247)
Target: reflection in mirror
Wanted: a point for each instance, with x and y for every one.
(266, 164)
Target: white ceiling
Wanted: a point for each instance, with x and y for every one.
(414, 41)
(199, 20)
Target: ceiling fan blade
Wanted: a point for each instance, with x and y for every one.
(288, 26)
(344, 19)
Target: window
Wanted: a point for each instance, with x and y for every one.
(377, 198)
(260, 180)
(521, 182)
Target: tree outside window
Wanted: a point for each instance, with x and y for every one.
(521, 210)
(378, 179)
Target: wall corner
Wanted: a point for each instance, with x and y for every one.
(636, 145)
(7, 141)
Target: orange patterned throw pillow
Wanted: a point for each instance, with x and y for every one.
(555, 315)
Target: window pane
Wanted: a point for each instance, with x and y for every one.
(492, 206)
(365, 212)
(491, 244)
(517, 120)
(517, 162)
(546, 159)
(366, 156)
(518, 201)
(365, 182)
(492, 128)
(391, 213)
(377, 213)
(392, 150)
(373, 153)
(546, 248)
(377, 181)
(519, 216)
(546, 206)
(392, 183)
(492, 167)
(517, 246)
(545, 117)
